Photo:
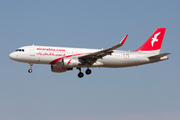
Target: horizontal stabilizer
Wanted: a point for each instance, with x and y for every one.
(160, 55)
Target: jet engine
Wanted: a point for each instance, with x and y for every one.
(70, 63)
(59, 69)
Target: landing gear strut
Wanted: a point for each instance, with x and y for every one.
(88, 71)
(30, 70)
(80, 74)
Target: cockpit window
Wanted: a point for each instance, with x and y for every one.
(21, 50)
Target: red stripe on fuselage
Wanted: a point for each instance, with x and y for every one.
(58, 59)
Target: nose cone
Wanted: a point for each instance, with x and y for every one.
(12, 56)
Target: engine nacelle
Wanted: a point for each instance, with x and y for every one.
(69, 63)
(59, 69)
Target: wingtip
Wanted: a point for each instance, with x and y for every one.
(123, 40)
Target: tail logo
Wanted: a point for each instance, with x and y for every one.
(155, 38)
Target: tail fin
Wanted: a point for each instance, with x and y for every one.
(153, 44)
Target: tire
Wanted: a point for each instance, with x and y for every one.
(88, 71)
(80, 75)
(30, 70)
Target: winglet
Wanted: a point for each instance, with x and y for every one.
(123, 40)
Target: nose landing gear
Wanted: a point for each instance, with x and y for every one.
(30, 70)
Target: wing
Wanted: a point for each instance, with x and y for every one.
(91, 58)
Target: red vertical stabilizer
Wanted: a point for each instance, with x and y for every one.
(154, 42)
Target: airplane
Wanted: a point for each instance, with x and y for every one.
(64, 59)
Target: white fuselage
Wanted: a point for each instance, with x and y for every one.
(53, 55)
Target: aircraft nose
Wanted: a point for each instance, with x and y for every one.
(12, 56)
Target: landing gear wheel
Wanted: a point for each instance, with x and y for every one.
(30, 70)
(80, 75)
(88, 71)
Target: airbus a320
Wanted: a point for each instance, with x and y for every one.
(62, 59)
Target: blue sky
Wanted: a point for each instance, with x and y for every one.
(143, 92)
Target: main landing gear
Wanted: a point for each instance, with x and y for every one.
(30, 70)
(81, 74)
